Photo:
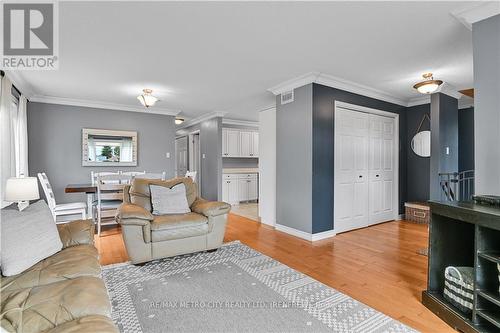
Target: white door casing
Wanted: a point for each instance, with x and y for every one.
(366, 166)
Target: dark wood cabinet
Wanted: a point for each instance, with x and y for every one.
(465, 234)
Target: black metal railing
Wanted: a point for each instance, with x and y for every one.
(457, 186)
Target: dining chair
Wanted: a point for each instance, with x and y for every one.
(152, 175)
(133, 174)
(192, 175)
(95, 175)
(109, 197)
(60, 209)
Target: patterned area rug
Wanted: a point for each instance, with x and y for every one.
(234, 289)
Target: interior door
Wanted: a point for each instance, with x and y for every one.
(381, 169)
(181, 156)
(351, 170)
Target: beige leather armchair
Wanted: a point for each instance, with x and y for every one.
(148, 237)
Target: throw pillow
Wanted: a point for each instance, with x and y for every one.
(169, 200)
(27, 237)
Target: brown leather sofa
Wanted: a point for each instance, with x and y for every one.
(149, 237)
(63, 293)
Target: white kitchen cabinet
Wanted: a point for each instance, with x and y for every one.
(230, 142)
(254, 152)
(239, 188)
(246, 139)
(230, 190)
(240, 143)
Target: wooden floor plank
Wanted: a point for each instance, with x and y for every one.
(378, 266)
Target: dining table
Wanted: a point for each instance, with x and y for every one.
(89, 189)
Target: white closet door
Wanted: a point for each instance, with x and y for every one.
(381, 169)
(351, 170)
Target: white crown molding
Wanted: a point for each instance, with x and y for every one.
(338, 83)
(102, 105)
(237, 122)
(419, 101)
(450, 90)
(476, 12)
(294, 83)
(305, 235)
(269, 107)
(202, 118)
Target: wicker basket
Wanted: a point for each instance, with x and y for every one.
(417, 212)
(459, 287)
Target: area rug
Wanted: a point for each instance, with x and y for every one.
(234, 289)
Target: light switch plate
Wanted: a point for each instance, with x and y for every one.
(202, 155)
(167, 155)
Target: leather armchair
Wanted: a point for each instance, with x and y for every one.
(148, 237)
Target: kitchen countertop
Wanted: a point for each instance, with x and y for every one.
(240, 170)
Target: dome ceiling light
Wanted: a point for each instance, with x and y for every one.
(179, 121)
(428, 85)
(147, 99)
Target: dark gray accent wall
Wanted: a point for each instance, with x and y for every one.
(466, 139)
(444, 133)
(211, 147)
(294, 160)
(418, 168)
(486, 51)
(55, 142)
(323, 149)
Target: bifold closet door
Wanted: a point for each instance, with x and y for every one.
(351, 170)
(381, 166)
(364, 169)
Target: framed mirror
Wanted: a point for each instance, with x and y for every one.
(421, 144)
(109, 147)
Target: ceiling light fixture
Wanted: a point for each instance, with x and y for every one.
(147, 99)
(428, 85)
(179, 121)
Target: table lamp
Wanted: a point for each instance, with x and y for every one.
(21, 190)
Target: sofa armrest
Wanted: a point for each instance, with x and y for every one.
(77, 232)
(210, 208)
(133, 215)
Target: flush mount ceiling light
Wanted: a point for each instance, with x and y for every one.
(179, 121)
(146, 98)
(428, 85)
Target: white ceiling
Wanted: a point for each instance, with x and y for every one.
(206, 57)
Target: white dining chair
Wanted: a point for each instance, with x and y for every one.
(109, 197)
(60, 209)
(95, 175)
(152, 175)
(192, 175)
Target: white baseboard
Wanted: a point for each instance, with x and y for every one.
(267, 222)
(400, 217)
(305, 235)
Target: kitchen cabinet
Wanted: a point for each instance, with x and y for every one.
(230, 142)
(240, 143)
(238, 188)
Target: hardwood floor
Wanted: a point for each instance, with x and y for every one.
(378, 266)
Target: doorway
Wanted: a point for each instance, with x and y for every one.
(366, 167)
(195, 157)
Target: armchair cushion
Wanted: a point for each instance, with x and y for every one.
(79, 232)
(168, 227)
(133, 215)
(210, 208)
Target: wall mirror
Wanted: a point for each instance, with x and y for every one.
(109, 147)
(421, 144)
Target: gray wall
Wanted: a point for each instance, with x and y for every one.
(444, 133)
(55, 142)
(486, 51)
(466, 139)
(294, 161)
(211, 147)
(418, 168)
